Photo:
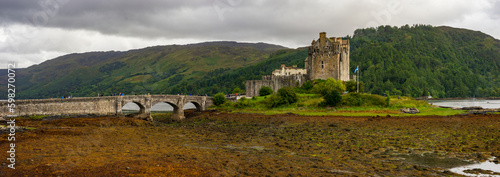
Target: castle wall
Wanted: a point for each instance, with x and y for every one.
(252, 87)
(274, 82)
(287, 81)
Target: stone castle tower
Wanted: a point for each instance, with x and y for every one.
(328, 57)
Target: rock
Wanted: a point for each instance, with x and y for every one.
(410, 110)
(472, 108)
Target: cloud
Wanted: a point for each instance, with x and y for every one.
(34, 31)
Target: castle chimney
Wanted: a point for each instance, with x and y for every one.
(282, 65)
(322, 39)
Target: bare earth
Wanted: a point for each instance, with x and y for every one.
(225, 144)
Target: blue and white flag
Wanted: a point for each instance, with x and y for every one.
(356, 70)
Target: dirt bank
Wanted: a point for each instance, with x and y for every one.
(221, 144)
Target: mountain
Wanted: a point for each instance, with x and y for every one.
(408, 60)
(141, 71)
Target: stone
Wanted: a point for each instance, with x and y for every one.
(410, 110)
(472, 108)
(104, 106)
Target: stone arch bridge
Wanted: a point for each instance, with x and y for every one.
(105, 106)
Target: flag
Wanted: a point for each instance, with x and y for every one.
(357, 67)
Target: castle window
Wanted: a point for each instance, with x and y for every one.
(322, 65)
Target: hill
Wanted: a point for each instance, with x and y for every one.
(409, 60)
(425, 60)
(141, 71)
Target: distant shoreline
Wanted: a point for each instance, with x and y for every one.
(467, 98)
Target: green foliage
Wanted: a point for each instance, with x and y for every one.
(363, 99)
(327, 86)
(351, 86)
(110, 67)
(219, 99)
(265, 91)
(285, 95)
(237, 90)
(307, 86)
(244, 103)
(332, 98)
(424, 60)
(388, 101)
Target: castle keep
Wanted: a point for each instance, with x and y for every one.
(327, 57)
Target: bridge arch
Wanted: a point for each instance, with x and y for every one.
(174, 106)
(196, 104)
(133, 104)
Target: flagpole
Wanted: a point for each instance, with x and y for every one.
(357, 79)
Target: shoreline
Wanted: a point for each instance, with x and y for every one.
(462, 98)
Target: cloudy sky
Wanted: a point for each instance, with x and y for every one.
(32, 31)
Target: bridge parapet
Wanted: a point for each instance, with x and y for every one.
(107, 105)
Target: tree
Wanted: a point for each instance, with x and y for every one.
(307, 86)
(351, 86)
(328, 85)
(287, 95)
(332, 98)
(265, 91)
(237, 90)
(219, 98)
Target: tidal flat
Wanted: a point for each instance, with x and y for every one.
(238, 144)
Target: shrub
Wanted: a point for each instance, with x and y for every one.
(272, 101)
(285, 95)
(243, 102)
(362, 99)
(351, 86)
(332, 98)
(328, 85)
(307, 86)
(219, 99)
(288, 95)
(237, 90)
(265, 91)
(388, 100)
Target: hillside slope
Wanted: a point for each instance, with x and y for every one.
(425, 60)
(148, 70)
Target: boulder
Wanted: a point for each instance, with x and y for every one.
(472, 108)
(410, 110)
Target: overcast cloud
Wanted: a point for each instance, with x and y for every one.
(32, 31)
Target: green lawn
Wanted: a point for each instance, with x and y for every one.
(309, 105)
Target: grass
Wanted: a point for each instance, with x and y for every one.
(37, 117)
(309, 105)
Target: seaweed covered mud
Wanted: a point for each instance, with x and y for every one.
(230, 144)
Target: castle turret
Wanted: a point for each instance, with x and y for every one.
(322, 39)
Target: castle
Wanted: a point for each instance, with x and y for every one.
(327, 57)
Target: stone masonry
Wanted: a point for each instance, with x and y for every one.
(327, 57)
(105, 106)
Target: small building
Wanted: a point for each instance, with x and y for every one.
(287, 71)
